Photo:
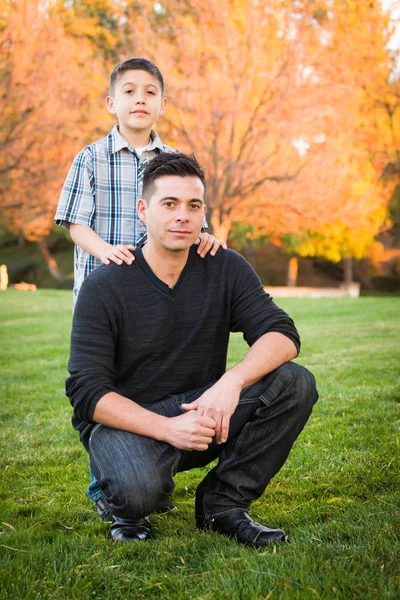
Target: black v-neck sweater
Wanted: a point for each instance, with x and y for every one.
(133, 335)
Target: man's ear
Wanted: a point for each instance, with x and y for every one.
(110, 105)
(141, 208)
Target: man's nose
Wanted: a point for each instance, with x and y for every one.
(183, 214)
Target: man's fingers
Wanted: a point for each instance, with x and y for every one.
(208, 422)
(224, 429)
(191, 406)
(200, 447)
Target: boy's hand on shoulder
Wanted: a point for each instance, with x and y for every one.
(119, 254)
(208, 243)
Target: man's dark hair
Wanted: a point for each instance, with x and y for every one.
(167, 163)
(135, 64)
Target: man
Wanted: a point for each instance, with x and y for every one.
(148, 384)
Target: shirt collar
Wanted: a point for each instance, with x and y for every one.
(116, 142)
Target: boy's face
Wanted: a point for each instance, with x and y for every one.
(137, 101)
(174, 213)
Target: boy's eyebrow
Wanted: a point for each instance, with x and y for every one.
(132, 83)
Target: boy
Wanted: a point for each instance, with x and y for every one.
(98, 200)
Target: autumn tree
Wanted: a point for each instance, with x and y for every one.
(232, 78)
(50, 87)
(350, 177)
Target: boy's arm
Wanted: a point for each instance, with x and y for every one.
(92, 243)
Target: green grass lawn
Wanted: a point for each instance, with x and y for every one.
(337, 496)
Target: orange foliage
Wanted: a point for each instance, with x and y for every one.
(49, 90)
(272, 98)
(289, 106)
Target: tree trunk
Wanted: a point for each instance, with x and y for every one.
(51, 263)
(220, 229)
(21, 239)
(348, 270)
(293, 269)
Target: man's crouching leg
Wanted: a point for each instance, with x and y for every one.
(135, 475)
(269, 417)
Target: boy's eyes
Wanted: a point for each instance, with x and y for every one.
(150, 92)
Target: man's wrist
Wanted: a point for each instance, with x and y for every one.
(160, 431)
(235, 378)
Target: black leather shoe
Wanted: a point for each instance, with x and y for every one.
(238, 524)
(127, 530)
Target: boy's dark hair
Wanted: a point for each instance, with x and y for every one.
(167, 163)
(135, 64)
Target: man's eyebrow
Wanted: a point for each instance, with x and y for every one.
(178, 200)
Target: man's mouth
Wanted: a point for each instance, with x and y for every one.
(139, 112)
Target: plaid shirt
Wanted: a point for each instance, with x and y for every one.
(101, 190)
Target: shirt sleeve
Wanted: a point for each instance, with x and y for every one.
(77, 199)
(254, 312)
(93, 342)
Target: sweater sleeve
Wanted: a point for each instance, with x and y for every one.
(93, 342)
(254, 313)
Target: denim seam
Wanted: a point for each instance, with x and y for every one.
(95, 428)
(270, 402)
(175, 464)
(219, 469)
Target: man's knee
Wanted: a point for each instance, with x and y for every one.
(133, 473)
(292, 384)
(132, 497)
(301, 382)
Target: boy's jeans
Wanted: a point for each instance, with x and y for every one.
(135, 473)
(93, 491)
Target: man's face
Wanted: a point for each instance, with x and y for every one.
(137, 101)
(174, 213)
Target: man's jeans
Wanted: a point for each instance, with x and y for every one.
(135, 473)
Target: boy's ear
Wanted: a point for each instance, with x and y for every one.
(141, 209)
(163, 106)
(110, 105)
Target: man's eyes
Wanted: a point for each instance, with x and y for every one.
(170, 204)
